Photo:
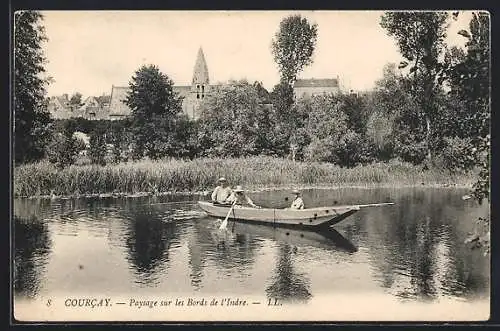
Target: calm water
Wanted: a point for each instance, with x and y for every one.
(410, 252)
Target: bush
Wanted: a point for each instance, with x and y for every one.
(62, 150)
(352, 150)
(98, 149)
(457, 154)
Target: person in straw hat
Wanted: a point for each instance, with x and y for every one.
(222, 192)
(240, 198)
(297, 203)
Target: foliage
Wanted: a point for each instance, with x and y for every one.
(119, 139)
(421, 40)
(392, 103)
(154, 106)
(470, 83)
(98, 149)
(32, 120)
(330, 133)
(264, 95)
(458, 154)
(185, 138)
(76, 99)
(63, 148)
(229, 121)
(481, 188)
(379, 132)
(293, 46)
(357, 113)
(283, 117)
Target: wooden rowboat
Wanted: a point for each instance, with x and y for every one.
(311, 218)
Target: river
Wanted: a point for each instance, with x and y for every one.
(402, 262)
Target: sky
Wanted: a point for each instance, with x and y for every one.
(89, 51)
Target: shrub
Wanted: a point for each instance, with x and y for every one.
(457, 154)
(98, 149)
(62, 150)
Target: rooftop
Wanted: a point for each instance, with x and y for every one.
(313, 82)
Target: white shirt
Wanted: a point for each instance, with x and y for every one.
(298, 203)
(220, 194)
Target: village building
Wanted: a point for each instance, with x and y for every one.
(59, 107)
(92, 108)
(311, 87)
(192, 95)
(113, 107)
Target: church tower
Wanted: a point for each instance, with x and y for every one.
(201, 80)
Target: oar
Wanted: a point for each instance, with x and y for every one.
(376, 204)
(224, 223)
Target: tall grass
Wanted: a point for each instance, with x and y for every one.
(173, 175)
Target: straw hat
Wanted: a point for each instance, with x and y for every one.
(238, 189)
(295, 191)
(222, 179)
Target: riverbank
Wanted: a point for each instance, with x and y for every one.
(200, 176)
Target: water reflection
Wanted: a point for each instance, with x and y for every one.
(413, 250)
(148, 239)
(286, 284)
(31, 252)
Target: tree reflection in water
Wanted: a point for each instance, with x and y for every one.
(287, 285)
(416, 246)
(31, 246)
(148, 241)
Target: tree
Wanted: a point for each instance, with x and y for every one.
(331, 137)
(32, 120)
(264, 95)
(154, 106)
(283, 117)
(76, 99)
(228, 124)
(98, 149)
(293, 46)
(470, 83)
(420, 37)
(64, 147)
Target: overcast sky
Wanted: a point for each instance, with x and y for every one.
(89, 51)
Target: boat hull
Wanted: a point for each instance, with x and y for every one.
(305, 218)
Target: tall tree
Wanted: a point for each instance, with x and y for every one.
(154, 106)
(31, 131)
(421, 40)
(284, 118)
(293, 46)
(470, 81)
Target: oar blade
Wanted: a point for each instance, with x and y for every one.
(223, 225)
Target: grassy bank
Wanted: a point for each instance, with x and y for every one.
(171, 175)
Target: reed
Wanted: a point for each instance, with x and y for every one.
(173, 175)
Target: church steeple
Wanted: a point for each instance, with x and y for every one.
(200, 73)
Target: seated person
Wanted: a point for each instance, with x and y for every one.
(297, 203)
(240, 198)
(222, 192)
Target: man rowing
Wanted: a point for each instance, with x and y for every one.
(238, 197)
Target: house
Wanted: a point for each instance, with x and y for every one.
(59, 107)
(91, 110)
(117, 107)
(311, 87)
